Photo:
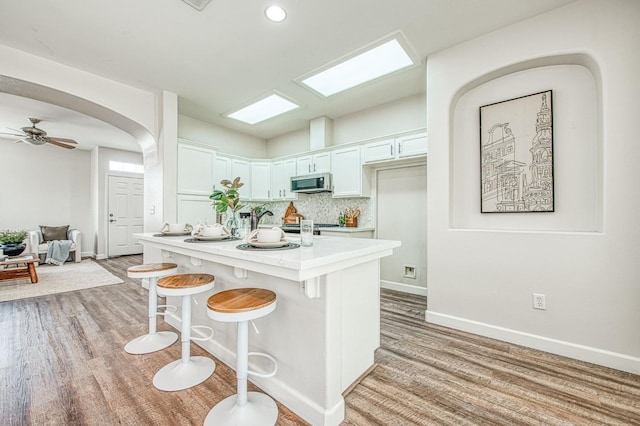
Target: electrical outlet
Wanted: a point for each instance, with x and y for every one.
(410, 271)
(539, 301)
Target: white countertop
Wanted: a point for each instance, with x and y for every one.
(327, 254)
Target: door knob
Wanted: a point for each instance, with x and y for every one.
(113, 220)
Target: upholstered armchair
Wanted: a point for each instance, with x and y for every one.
(38, 247)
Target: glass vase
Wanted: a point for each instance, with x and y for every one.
(232, 223)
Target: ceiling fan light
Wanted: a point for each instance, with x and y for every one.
(35, 140)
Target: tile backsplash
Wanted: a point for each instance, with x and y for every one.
(321, 208)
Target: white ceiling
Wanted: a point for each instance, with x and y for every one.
(229, 54)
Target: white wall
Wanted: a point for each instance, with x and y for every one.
(132, 110)
(584, 258)
(227, 140)
(46, 185)
(401, 215)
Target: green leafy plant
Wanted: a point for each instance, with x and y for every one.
(10, 237)
(229, 198)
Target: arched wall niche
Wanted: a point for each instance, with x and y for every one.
(576, 81)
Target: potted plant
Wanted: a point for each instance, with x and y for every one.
(12, 242)
(228, 201)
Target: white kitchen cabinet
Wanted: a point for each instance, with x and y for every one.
(281, 173)
(409, 146)
(221, 171)
(260, 181)
(317, 163)
(195, 170)
(379, 151)
(195, 209)
(349, 179)
(394, 149)
(242, 169)
(289, 170)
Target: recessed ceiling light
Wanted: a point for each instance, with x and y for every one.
(275, 13)
(359, 68)
(264, 109)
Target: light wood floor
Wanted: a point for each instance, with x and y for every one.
(62, 363)
(432, 375)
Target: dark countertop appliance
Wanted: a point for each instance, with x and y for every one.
(309, 184)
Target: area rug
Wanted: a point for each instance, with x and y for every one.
(58, 279)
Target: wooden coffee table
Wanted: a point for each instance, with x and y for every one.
(14, 268)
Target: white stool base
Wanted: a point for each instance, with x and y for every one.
(179, 375)
(151, 342)
(259, 410)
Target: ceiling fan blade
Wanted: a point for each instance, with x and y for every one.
(63, 140)
(21, 135)
(60, 144)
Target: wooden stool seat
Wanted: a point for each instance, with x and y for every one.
(185, 284)
(151, 268)
(152, 341)
(241, 300)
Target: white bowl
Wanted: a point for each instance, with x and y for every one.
(272, 235)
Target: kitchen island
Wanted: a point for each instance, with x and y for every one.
(326, 325)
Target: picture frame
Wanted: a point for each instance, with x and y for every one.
(516, 155)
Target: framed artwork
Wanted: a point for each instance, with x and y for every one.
(516, 155)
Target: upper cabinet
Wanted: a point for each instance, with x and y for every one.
(395, 148)
(349, 177)
(221, 171)
(380, 150)
(317, 163)
(242, 169)
(281, 173)
(195, 170)
(260, 181)
(410, 146)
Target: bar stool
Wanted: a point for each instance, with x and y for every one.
(245, 408)
(153, 341)
(189, 370)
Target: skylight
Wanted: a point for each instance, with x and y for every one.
(264, 109)
(381, 60)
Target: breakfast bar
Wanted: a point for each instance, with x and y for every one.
(325, 328)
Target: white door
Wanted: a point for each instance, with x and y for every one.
(126, 215)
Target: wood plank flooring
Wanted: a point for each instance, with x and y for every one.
(432, 375)
(62, 363)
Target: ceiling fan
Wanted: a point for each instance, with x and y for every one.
(35, 136)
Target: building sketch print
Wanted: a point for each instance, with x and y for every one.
(516, 151)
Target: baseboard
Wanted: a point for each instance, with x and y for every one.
(98, 256)
(593, 355)
(288, 396)
(405, 288)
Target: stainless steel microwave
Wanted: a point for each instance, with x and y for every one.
(308, 184)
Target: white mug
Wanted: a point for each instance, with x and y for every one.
(266, 235)
(175, 228)
(214, 230)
